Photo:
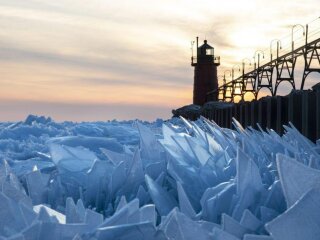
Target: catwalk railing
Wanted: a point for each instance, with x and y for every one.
(284, 64)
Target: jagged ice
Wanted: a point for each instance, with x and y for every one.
(164, 180)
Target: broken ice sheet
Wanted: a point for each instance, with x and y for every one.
(36, 184)
(52, 213)
(199, 181)
(72, 159)
(163, 200)
(178, 226)
(184, 202)
(296, 178)
(300, 221)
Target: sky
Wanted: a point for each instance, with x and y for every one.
(93, 60)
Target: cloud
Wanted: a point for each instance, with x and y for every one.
(122, 66)
(139, 51)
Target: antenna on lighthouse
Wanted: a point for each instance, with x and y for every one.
(192, 43)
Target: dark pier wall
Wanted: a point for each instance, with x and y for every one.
(301, 108)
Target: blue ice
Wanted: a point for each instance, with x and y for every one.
(165, 180)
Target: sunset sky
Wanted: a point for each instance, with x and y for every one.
(91, 60)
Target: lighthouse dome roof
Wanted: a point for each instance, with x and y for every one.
(205, 45)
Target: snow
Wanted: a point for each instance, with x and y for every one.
(52, 213)
(173, 179)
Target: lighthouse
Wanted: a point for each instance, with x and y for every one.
(205, 73)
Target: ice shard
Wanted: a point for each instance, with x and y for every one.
(50, 212)
(233, 227)
(184, 203)
(249, 183)
(121, 216)
(11, 217)
(72, 215)
(72, 159)
(296, 178)
(219, 234)
(250, 221)
(300, 221)
(178, 226)
(163, 200)
(36, 187)
(135, 175)
(92, 218)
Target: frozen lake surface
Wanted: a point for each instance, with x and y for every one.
(163, 180)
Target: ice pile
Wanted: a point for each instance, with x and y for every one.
(191, 180)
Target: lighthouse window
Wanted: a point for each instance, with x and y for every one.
(209, 52)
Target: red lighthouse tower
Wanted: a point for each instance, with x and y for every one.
(205, 73)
